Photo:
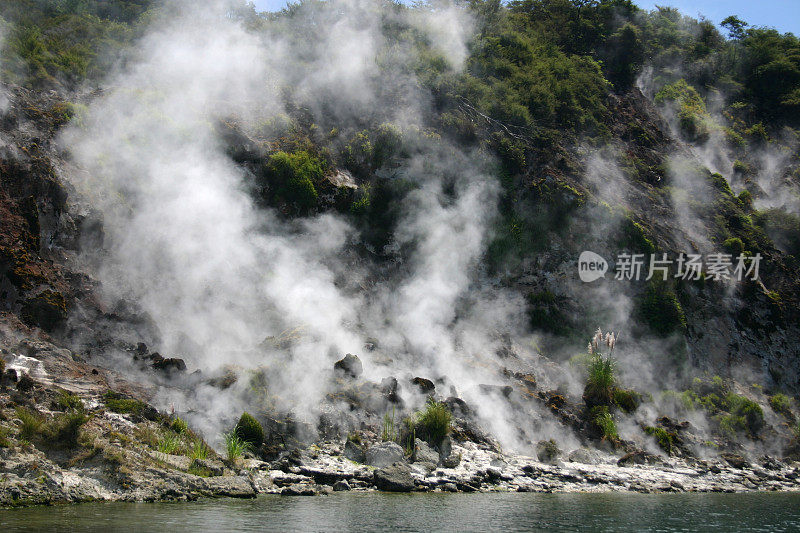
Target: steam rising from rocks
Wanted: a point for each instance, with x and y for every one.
(218, 274)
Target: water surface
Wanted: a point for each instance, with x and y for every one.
(356, 512)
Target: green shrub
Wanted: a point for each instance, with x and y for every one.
(358, 155)
(782, 404)
(685, 400)
(62, 431)
(600, 382)
(692, 114)
(4, 440)
(716, 385)
(743, 415)
(547, 451)
(65, 429)
(634, 237)
(69, 402)
(249, 430)
(731, 425)
(604, 422)
(746, 199)
(433, 422)
(291, 177)
(117, 403)
(664, 438)
(179, 426)
(740, 167)
(235, 447)
(660, 309)
(388, 141)
(627, 400)
(734, 246)
(31, 423)
(361, 204)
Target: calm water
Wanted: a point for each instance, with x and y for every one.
(428, 512)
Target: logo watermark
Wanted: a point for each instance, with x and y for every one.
(591, 267)
(635, 267)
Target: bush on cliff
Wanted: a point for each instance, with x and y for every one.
(249, 430)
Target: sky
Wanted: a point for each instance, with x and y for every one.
(783, 15)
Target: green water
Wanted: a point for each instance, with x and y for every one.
(427, 512)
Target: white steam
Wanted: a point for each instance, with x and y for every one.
(218, 274)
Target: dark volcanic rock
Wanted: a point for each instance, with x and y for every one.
(349, 366)
(735, 460)
(423, 453)
(354, 452)
(25, 383)
(425, 386)
(638, 457)
(167, 364)
(389, 388)
(341, 486)
(394, 478)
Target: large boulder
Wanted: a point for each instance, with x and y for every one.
(354, 451)
(341, 486)
(389, 389)
(424, 453)
(585, 456)
(547, 451)
(384, 454)
(394, 478)
(349, 366)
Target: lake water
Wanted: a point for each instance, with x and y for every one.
(355, 512)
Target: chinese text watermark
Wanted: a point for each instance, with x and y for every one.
(635, 267)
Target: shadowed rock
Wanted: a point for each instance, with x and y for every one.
(354, 452)
(425, 386)
(424, 453)
(394, 478)
(349, 366)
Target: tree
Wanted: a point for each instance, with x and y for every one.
(736, 27)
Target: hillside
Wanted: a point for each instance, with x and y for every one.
(350, 217)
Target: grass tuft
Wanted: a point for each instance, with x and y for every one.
(200, 450)
(169, 443)
(235, 446)
(388, 431)
(600, 383)
(433, 422)
(32, 423)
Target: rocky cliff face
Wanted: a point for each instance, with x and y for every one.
(622, 197)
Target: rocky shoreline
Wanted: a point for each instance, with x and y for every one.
(119, 452)
(30, 478)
